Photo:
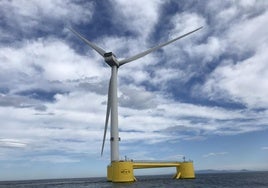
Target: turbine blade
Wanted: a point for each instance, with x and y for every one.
(91, 44)
(135, 57)
(108, 110)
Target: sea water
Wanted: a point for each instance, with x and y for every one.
(215, 180)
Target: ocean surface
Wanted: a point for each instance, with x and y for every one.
(215, 180)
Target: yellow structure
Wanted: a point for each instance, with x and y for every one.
(120, 171)
(123, 171)
(186, 169)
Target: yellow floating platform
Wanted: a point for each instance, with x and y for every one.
(123, 171)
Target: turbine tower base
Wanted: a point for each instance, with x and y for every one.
(120, 171)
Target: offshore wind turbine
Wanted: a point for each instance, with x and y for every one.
(112, 103)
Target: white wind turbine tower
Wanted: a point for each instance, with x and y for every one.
(112, 104)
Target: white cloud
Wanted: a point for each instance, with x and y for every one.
(54, 159)
(206, 52)
(163, 75)
(141, 23)
(68, 126)
(264, 148)
(227, 15)
(170, 114)
(185, 22)
(241, 75)
(12, 143)
(213, 154)
(248, 35)
(44, 64)
(245, 82)
(141, 155)
(136, 98)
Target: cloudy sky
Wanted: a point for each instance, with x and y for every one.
(203, 97)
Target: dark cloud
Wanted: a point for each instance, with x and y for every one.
(29, 19)
(137, 99)
(18, 101)
(39, 94)
(99, 87)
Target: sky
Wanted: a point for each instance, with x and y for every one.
(203, 97)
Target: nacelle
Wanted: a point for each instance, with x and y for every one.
(110, 59)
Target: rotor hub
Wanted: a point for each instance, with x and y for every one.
(110, 59)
